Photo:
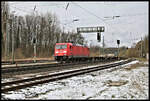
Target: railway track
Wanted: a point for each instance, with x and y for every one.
(18, 84)
(7, 70)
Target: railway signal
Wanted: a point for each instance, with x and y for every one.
(118, 42)
(34, 40)
(99, 37)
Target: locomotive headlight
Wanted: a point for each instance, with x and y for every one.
(65, 51)
(56, 51)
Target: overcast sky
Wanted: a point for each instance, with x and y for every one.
(128, 28)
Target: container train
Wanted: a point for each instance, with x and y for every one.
(69, 52)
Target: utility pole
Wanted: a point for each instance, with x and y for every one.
(5, 32)
(103, 44)
(141, 48)
(99, 49)
(13, 43)
(8, 40)
(144, 47)
(12, 39)
(99, 39)
(11, 28)
(34, 40)
(13, 31)
(7, 36)
(118, 51)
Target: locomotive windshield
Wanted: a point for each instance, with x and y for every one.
(61, 46)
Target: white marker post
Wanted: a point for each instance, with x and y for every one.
(34, 42)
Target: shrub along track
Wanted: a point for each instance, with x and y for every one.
(18, 84)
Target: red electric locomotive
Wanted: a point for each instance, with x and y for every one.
(70, 52)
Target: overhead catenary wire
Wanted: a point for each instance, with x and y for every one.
(25, 9)
(103, 20)
(89, 12)
(21, 9)
(137, 14)
(36, 3)
(67, 13)
(125, 15)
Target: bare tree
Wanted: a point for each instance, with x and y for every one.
(4, 26)
(45, 27)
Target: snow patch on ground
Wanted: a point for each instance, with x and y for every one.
(94, 85)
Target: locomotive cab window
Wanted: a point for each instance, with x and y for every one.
(61, 46)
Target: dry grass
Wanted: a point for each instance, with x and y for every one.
(94, 54)
(134, 66)
(28, 54)
(51, 58)
(142, 59)
(116, 83)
